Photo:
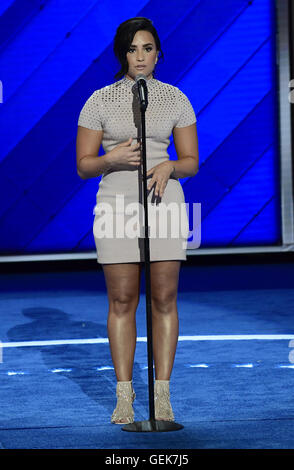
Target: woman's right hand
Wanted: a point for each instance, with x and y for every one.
(125, 155)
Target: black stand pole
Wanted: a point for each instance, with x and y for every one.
(151, 425)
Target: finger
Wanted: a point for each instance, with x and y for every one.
(162, 188)
(134, 160)
(149, 171)
(126, 143)
(159, 188)
(136, 149)
(134, 157)
(150, 184)
(136, 145)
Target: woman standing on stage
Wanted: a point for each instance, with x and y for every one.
(111, 117)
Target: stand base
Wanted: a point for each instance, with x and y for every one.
(152, 426)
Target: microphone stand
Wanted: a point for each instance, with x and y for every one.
(151, 425)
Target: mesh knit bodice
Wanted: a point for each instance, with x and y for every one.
(115, 110)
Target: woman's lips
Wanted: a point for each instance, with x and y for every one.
(140, 66)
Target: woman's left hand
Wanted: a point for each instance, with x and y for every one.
(161, 174)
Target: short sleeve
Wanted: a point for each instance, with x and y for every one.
(90, 115)
(186, 115)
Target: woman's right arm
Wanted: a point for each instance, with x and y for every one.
(90, 165)
(88, 143)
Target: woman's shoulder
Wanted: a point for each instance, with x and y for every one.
(106, 88)
(169, 88)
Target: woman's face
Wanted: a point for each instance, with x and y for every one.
(142, 52)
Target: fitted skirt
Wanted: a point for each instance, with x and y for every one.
(119, 222)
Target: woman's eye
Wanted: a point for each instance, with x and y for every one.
(147, 49)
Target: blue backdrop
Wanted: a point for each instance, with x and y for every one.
(55, 53)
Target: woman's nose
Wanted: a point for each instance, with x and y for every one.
(139, 56)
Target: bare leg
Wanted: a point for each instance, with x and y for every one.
(165, 323)
(123, 289)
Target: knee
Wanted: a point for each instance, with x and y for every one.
(123, 304)
(164, 302)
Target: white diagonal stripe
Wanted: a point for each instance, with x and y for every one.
(57, 342)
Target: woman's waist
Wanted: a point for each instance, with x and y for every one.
(124, 181)
(132, 189)
(130, 171)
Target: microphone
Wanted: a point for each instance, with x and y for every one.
(141, 82)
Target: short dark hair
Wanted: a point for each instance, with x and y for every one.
(124, 37)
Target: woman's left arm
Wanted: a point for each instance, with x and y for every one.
(186, 145)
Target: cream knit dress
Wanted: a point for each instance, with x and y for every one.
(118, 226)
